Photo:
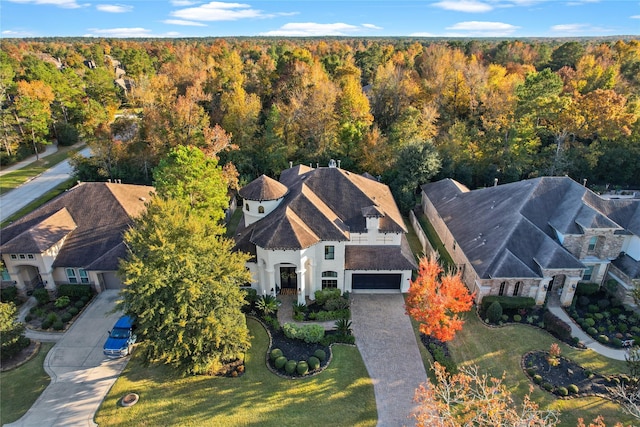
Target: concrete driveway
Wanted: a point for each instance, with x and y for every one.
(390, 352)
(80, 375)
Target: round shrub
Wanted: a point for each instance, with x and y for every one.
(320, 354)
(547, 386)
(562, 391)
(589, 322)
(616, 342)
(494, 312)
(46, 324)
(58, 325)
(603, 303)
(290, 366)
(517, 318)
(302, 368)
(62, 302)
(593, 308)
(275, 353)
(73, 311)
(603, 339)
(537, 379)
(592, 331)
(41, 295)
(314, 363)
(79, 303)
(573, 389)
(28, 318)
(85, 298)
(66, 317)
(598, 316)
(583, 301)
(531, 372)
(623, 328)
(280, 362)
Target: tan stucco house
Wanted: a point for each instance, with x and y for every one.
(75, 238)
(323, 227)
(534, 237)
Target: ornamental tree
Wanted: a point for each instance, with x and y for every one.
(183, 285)
(435, 300)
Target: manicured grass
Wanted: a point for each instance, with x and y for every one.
(340, 396)
(56, 191)
(412, 237)
(18, 177)
(20, 387)
(499, 350)
(232, 226)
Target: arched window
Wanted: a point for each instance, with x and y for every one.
(246, 207)
(329, 279)
(516, 289)
(502, 286)
(260, 209)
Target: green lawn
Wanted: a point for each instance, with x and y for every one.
(18, 177)
(21, 387)
(499, 350)
(436, 243)
(342, 395)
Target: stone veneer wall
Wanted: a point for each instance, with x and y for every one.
(608, 247)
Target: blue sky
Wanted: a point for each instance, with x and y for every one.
(359, 18)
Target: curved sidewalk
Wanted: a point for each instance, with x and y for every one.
(586, 339)
(388, 346)
(80, 374)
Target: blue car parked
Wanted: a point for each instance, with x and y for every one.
(121, 338)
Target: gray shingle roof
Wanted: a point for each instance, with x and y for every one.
(364, 257)
(102, 213)
(510, 230)
(263, 188)
(323, 204)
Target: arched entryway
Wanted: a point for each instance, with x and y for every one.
(30, 277)
(288, 280)
(555, 289)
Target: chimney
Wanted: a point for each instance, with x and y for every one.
(495, 182)
(109, 180)
(339, 163)
(584, 182)
(290, 164)
(317, 165)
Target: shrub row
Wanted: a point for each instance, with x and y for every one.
(585, 288)
(75, 291)
(556, 326)
(439, 356)
(322, 316)
(280, 362)
(508, 303)
(307, 333)
(323, 295)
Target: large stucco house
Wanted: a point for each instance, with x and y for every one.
(323, 227)
(75, 238)
(534, 237)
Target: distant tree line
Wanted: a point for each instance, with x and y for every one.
(406, 110)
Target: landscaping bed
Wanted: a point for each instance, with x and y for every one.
(329, 304)
(603, 317)
(56, 314)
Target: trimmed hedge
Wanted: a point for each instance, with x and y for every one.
(320, 354)
(556, 326)
(275, 353)
(302, 368)
(494, 312)
(508, 303)
(290, 367)
(573, 389)
(75, 291)
(314, 363)
(307, 333)
(584, 288)
(280, 362)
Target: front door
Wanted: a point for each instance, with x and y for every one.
(288, 278)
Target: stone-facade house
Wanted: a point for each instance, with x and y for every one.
(323, 227)
(534, 237)
(75, 238)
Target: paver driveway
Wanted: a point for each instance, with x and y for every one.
(80, 375)
(390, 352)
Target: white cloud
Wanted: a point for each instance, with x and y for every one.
(119, 32)
(582, 2)
(183, 22)
(312, 29)
(580, 29)
(218, 11)
(66, 4)
(182, 3)
(13, 33)
(483, 28)
(470, 6)
(372, 26)
(635, 17)
(114, 8)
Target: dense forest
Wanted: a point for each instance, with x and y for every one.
(401, 109)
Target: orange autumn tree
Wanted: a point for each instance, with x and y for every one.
(435, 300)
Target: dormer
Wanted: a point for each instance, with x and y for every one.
(260, 197)
(372, 215)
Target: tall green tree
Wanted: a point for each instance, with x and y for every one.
(186, 175)
(183, 285)
(12, 338)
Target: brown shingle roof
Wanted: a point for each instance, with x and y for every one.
(263, 188)
(382, 257)
(43, 235)
(102, 213)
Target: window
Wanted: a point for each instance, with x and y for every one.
(14, 256)
(588, 273)
(5, 275)
(246, 207)
(22, 256)
(71, 275)
(592, 243)
(454, 245)
(329, 279)
(260, 209)
(30, 256)
(502, 286)
(84, 277)
(516, 289)
(329, 252)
